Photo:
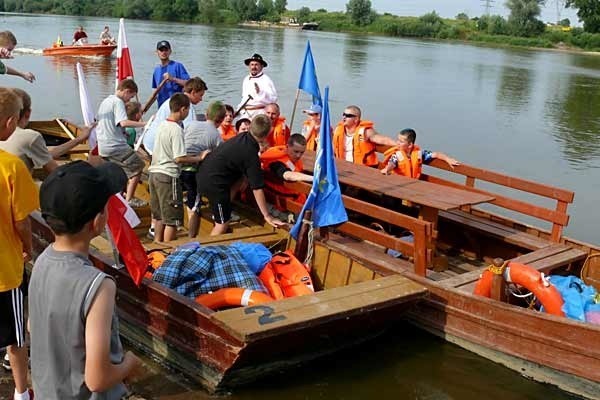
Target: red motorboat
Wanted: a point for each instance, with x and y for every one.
(98, 50)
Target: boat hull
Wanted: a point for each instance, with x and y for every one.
(90, 50)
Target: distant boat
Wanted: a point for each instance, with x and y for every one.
(86, 50)
(310, 26)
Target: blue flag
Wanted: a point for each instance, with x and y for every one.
(308, 76)
(325, 198)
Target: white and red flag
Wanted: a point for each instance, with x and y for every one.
(124, 67)
(86, 107)
(121, 221)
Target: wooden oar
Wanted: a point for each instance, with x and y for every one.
(153, 97)
(64, 128)
(235, 114)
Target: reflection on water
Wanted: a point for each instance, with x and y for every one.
(514, 88)
(577, 116)
(98, 69)
(356, 52)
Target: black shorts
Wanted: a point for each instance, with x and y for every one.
(12, 320)
(220, 205)
(188, 181)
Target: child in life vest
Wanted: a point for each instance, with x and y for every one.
(406, 158)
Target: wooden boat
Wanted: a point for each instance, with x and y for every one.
(94, 50)
(222, 349)
(56, 131)
(361, 288)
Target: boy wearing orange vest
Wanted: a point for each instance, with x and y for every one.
(283, 163)
(406, 158)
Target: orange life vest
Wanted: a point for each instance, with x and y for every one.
(363, 150)
(227, 132)
(311, 133)
(285, 276)
(155, 261)
(275, 190)
(408, 165)
(280, 133)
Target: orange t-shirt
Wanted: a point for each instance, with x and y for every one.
(18, 198)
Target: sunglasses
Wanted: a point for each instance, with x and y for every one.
(346, 115)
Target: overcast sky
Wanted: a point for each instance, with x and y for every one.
(446, 8)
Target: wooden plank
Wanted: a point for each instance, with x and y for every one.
(537, 255)
(360, 273)
(337, 271)
(319, 266)
(494, 229)
(546, 265)
(251, 323)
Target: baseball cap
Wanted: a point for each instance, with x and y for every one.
(163, 43)
(73, 194)
(313, 109)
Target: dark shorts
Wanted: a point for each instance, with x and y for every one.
(220, 204)
(166, 198)
(129, 160)
(12, 320)
(188, 181)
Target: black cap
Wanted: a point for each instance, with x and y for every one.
(75, 193)
(256, 57)
(163, 43)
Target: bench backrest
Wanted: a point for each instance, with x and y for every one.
(421, 230)
(558, 216)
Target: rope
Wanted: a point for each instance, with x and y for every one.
(497, 270)
(310, 250)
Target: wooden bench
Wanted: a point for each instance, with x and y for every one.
(544, 260)
(422, 231)
(483, 221)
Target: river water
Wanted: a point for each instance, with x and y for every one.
(527, 113)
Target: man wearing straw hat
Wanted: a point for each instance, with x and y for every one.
(258, 89)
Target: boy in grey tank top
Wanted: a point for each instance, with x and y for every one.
(76, 352)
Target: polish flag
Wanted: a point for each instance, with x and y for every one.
(121, 221)
(124, 67)
(86, 106)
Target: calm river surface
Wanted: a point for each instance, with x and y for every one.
(533, 114)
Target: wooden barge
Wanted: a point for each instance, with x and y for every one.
(361, 288)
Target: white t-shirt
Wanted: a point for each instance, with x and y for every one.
(110, 134)
(161, 115)
(168, 146)
(29, 146)
(349, 147)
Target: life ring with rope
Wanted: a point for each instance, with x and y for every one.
(233, 297)
(528, 277)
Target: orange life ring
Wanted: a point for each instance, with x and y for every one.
(529, 278)
(233, 297)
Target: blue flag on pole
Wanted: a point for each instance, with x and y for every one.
(308, 76)
(325, 198)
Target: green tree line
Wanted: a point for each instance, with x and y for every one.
(522, 27)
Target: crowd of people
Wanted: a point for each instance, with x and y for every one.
(248, 150)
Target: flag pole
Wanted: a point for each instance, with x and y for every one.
(115, 252)
(294, 110)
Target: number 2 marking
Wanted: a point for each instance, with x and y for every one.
(266, 317)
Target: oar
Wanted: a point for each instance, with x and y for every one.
(153, 97)
(64, 128)
(235, 114)
(138, 143)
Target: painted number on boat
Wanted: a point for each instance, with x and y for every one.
(266, 317)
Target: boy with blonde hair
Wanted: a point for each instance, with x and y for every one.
(18, 198)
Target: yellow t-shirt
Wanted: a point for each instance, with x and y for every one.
(18, 198)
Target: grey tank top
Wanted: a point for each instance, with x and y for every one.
(62, 288)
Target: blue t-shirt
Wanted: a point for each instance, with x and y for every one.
(175, 69)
